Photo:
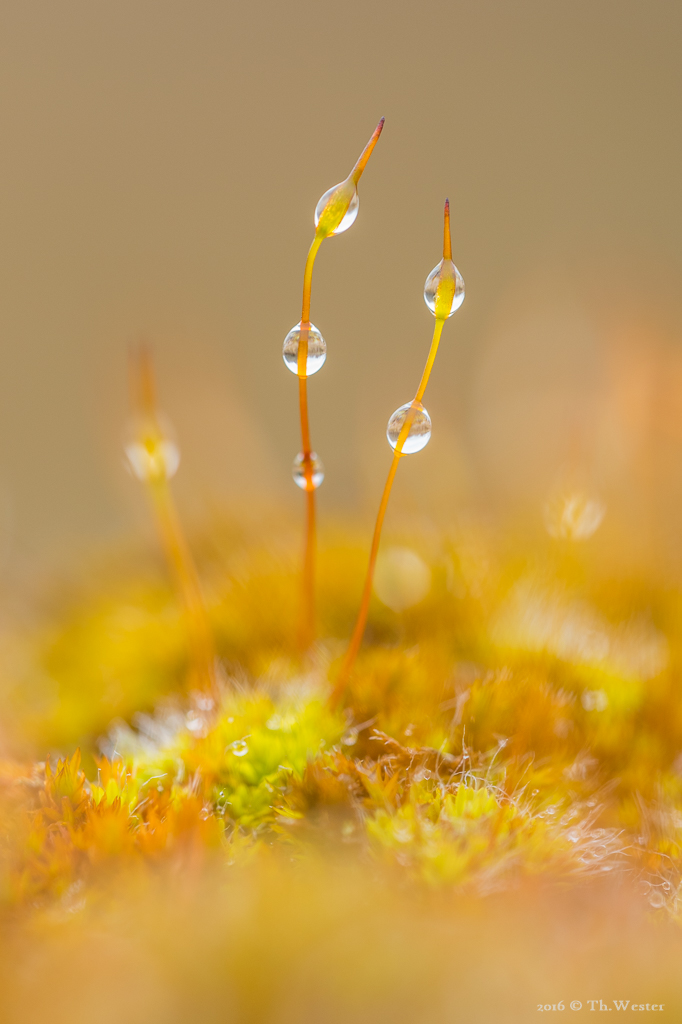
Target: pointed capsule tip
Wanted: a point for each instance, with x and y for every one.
(142, 384)
(447, 245)
(354, 175)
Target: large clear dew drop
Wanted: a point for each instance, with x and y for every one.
(298, 471)
(348, 218)
(419, 433)
(317, 349)
(431, 288)
(151, 451)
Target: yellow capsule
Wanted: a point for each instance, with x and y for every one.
(151, 451)
(444, 288)
(338, 207)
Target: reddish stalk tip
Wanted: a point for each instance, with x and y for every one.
(142, 384)
(447, 242)
(366, 153)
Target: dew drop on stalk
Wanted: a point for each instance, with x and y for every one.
(239, 748)
(298, 471)
(151, 451)
(337, 196)
(451, 296)
(317, 349)
(419, 433)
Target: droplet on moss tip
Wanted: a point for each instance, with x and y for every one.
(337, 209)
(444, 290)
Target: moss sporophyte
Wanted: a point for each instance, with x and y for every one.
(304, 352)
(409, 428)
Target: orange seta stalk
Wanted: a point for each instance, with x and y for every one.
(307, 626)
(176, 549)
(361, 622)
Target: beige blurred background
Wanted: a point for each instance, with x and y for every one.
(161, 161)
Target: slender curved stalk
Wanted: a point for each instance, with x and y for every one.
(307, 624)
(307, 627)
(361, 622)
(171, 534)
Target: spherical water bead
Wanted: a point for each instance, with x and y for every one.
(419, 433)
(317, 349)
(151, 451)
(337, 205)
(447, 272)
(299, 475)
(239, 748)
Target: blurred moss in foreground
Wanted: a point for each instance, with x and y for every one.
(516, 730)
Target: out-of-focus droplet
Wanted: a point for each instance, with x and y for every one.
(401, 579)
(444, 289)
(298, 471)
(402, 831)
(419, 433)
(151, 451)
(239, 748)
(657, 899)
(337, 209)
(317, 349)
(573, 515)
(594, 700)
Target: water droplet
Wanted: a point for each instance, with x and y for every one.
(594, 700)
(298, 471)
(151, 451)
(239, 748)
(422, 775)
(317, 349)
(195, 722)
(350, 738)
(402, 579)
(573, 515)
(444, 289)
(656, 899)
(419, 433)
(337, 209)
